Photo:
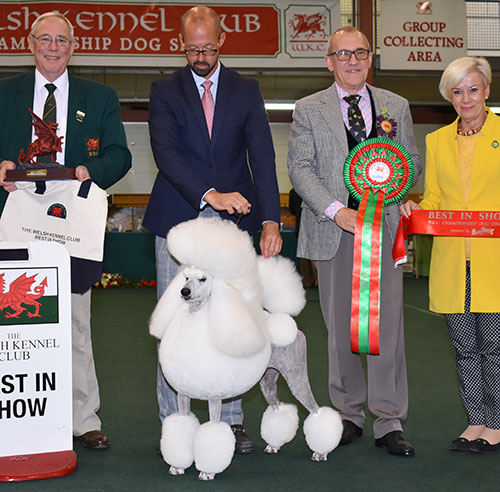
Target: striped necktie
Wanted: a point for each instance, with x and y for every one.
(50, 116)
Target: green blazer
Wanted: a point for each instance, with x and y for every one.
(107, 163)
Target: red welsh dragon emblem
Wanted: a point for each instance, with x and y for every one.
(307, 26)
(18, 295)
(47, 143)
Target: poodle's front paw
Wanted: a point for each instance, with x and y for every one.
(174, 470)
(271, 449)
(319, 456)
(206, 476)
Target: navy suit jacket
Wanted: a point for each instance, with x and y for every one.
(239, 157)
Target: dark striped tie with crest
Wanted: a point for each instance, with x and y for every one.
(50, 116)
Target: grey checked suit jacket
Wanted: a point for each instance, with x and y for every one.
(316, 154)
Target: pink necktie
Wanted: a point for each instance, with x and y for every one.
(207, 102)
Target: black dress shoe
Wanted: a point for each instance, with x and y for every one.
(460, 444)
(395, 443)
(95, 439)
(483, 446)
(351, 431)
(244, 444)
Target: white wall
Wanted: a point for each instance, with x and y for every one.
(141, 177)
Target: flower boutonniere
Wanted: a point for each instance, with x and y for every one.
(386, 126)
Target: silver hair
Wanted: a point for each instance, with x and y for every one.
(52, 14)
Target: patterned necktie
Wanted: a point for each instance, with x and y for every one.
(357, 123)
(207, 102)
(50, 116)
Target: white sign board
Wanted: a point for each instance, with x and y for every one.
(35, 350)
(417, 35)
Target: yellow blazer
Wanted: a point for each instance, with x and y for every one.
(443, 190)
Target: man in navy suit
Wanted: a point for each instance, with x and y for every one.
(215, 156)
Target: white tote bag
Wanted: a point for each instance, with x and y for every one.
(69, 212)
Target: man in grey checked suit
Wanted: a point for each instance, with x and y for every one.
(319, 143)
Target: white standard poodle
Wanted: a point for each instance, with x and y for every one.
(225, 323)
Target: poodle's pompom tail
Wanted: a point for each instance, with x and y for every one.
(279, 426)
(282, 329)
(213, 447)
(176, 444)
(323, 430)
(283, 290)
(221, 249)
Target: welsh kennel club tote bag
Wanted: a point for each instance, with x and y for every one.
(69, 212)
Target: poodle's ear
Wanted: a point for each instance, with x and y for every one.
(236, 329)
(168, 305)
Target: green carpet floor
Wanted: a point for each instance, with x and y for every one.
(126, 363)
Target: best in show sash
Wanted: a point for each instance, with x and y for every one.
(463, 223)
(377, 172)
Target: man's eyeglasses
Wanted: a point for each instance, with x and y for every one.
(345, 55)
(46, 40)
(209, 52)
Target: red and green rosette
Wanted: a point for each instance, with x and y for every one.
(378, 171)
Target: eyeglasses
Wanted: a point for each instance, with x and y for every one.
(209, 52)
(345, 55)
(46, 40)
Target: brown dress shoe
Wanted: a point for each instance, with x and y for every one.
(95, 439)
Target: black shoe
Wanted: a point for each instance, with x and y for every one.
(483, 446)
(244, 444)
(460, 444)
(395, 443)
(351, 431)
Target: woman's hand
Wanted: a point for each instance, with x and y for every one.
(407, 207)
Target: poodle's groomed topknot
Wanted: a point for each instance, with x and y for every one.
(218, 247)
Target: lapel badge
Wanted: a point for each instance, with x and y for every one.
(494, 144)
(385, 125)
(79, 116)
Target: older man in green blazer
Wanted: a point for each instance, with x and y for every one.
(94, 144)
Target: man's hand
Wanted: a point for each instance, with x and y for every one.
(230, 202)
(407, 207)
(270, 239)
(346, 219)
(4, 167)
(82, 173)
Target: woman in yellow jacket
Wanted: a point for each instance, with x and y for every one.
(463, 173)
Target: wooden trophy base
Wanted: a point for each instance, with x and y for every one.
(37, 466)
(40, 173)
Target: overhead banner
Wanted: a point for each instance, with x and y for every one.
(421, 35)
(118, 33)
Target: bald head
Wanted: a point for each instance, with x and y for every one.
(201, 16)
(349, 30)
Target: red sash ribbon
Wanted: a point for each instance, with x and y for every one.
(365, 302)
(462, 223)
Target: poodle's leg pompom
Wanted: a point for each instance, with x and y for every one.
(279, 426)
(323, 430)
(176, 442)
(213, 449)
